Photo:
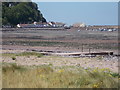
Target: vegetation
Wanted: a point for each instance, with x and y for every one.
(13, 58)
(22, 54)
(14, 13)
(15, 76)
(11, 67)
(28, 54)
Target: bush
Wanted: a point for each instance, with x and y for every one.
(39, 56)
(13, 58)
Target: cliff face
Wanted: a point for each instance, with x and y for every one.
(20, 12)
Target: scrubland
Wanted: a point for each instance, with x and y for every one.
(16, 75)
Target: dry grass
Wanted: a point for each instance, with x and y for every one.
(0, 75)
(46, 76)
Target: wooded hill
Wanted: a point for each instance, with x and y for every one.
(14, 13)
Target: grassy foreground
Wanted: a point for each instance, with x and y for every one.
(47, 76)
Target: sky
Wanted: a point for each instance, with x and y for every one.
(90, 13)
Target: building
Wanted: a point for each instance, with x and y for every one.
(41, 25)
(79, 25)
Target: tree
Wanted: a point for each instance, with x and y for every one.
(20, 12)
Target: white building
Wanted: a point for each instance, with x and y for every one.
(79, 25)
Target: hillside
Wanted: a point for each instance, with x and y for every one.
(20, 12)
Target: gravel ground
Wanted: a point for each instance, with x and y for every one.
(85, 62)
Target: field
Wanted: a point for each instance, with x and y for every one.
(23, 66)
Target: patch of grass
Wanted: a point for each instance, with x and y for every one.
(23, 54)
(39, 55)
(11, 67)
(50, 64)
(9, 54)
(29, 54)
(46, 76)
(44, 69)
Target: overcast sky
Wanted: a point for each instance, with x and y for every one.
(91, 13)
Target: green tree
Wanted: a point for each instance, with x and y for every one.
(20, 12)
